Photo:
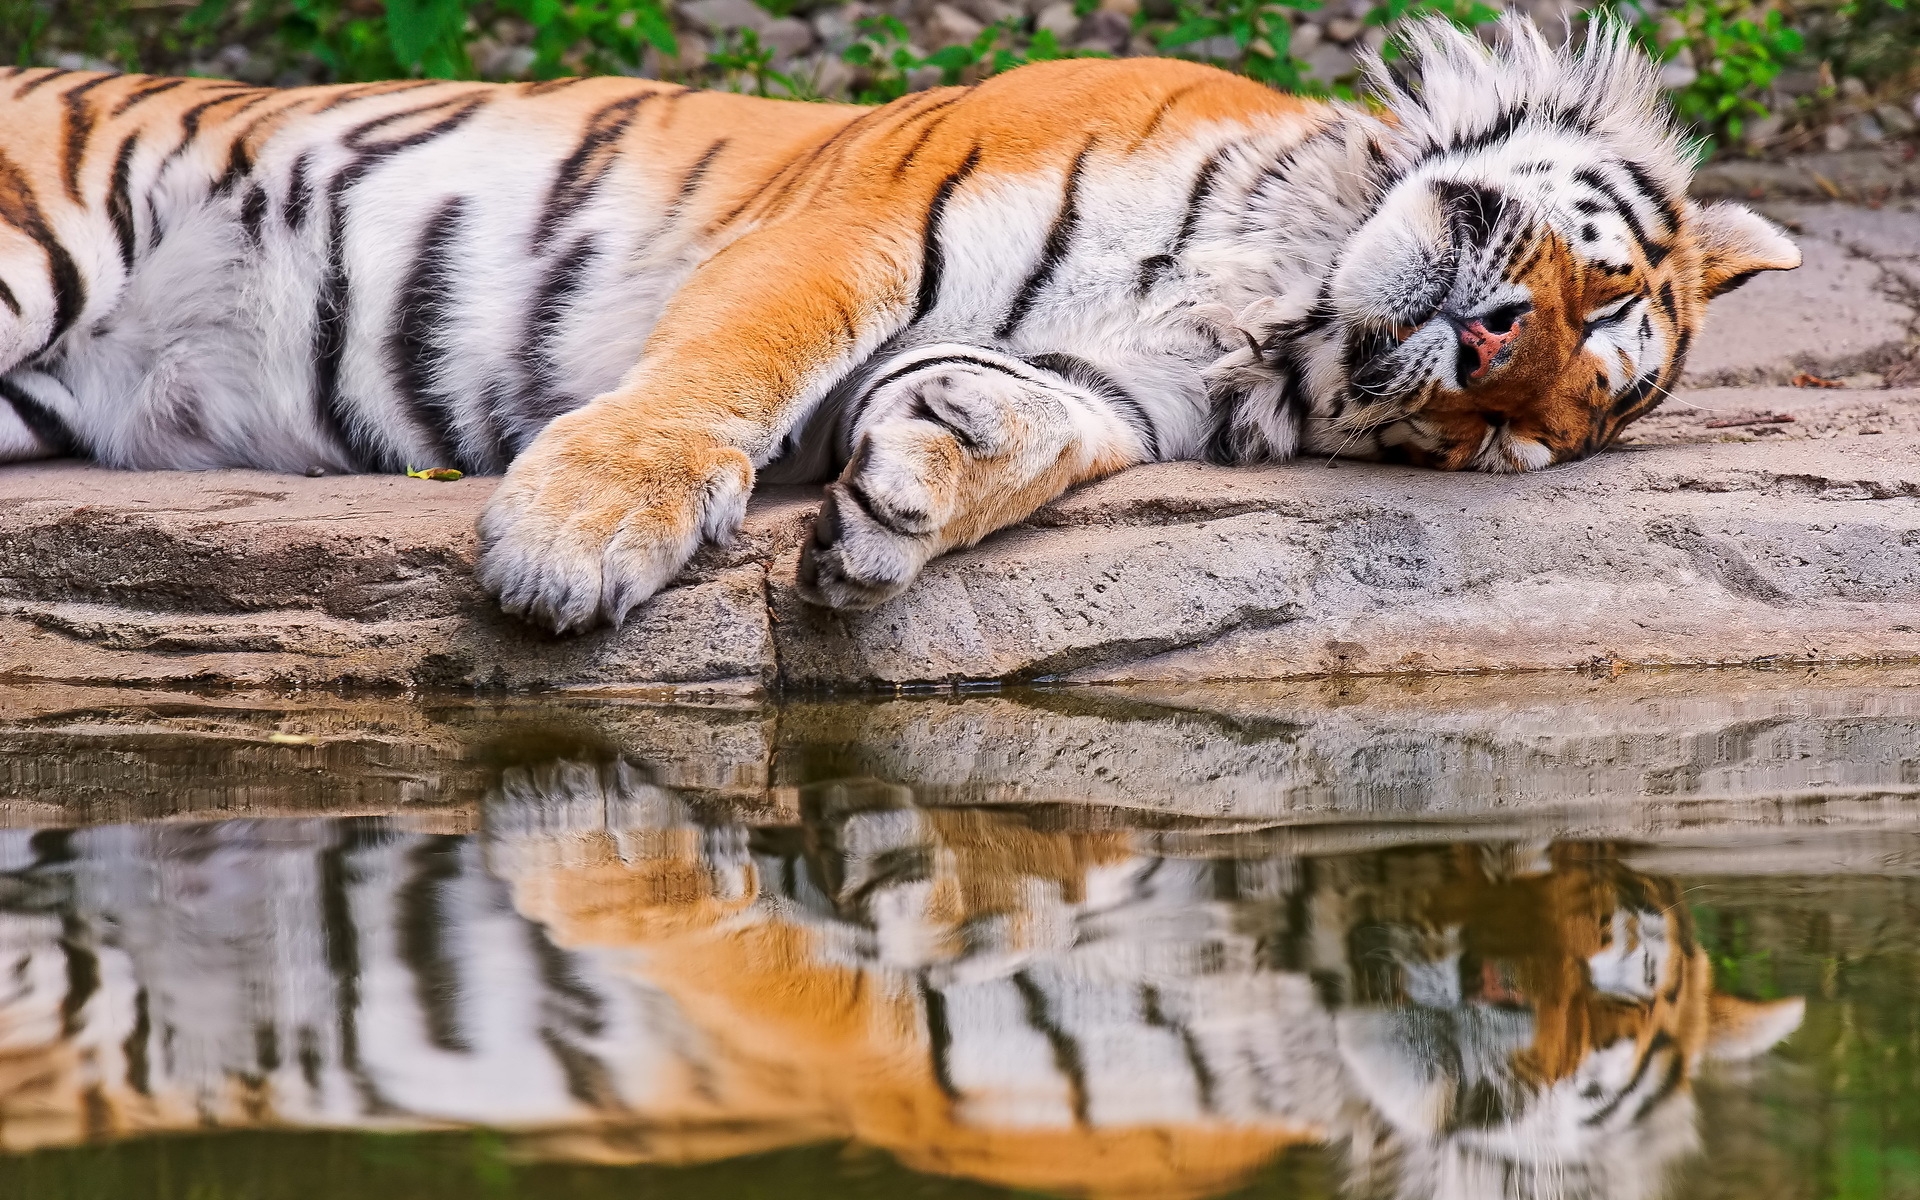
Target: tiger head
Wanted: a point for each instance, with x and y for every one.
(1534, 274)
(1534, 1031)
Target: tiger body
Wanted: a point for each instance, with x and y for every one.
(636, 299)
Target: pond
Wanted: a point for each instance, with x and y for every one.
(1655, 935)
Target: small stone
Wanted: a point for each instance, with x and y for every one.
(1103, 29)
(1674, 76)
(787, 36)
(1896, 120)
(832, 76)
(1344, 29)
(1763, 130)
(835, 28)
(1329, 62)
(988, 12)
(315, 472)
(1126, 8)
(1797, 83)
(87, 62)
(1837, 138)
(948, 26)
(1852, 90)
(1868, 130)
(1305, 39)
(716, 16)
(1058, 19)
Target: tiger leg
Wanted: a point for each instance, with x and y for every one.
(607, 504)
(949, 452)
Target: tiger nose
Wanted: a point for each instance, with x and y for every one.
(1486, 344)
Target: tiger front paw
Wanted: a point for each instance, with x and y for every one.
(590, 522)
(948, 465)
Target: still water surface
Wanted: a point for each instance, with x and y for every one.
(1613, 939)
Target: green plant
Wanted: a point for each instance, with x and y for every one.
(1735, 57)
(887, 61)
(745, 65)
(367, 39)
(1467, 14)
(1261, 30)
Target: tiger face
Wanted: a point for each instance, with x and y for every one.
(1534, 1031)
(1533, 277)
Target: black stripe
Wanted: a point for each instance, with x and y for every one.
(1203, 184)
(83, 974)
(19, 209)
(52, 74)
(8, 298)
(330, 348)
(551, 303)
(1663, 299)
(335, 294)
(253, 212)
(1203, 1080)
(865, 504)
(144, 93)
(1066, 1052)
(926, 134)
(54, 433)
(940, 361)
(369, 91)
(544, 86)
(1732, 282)
(190, 121)
(120, 202)
(581, 171)
(696, 174)
(794, 169)
(940, 1039)
(426, 307)
(423, 945)
(1151, 268)
(134, 1048)
(1653, 250)
(239, 164)
(1160, 113)
(341, 937)
(1661, 1040)
(933, 259)
(75, 130)
(1053, 251)
(299, 192)
(1083, 374)
(1669, 211)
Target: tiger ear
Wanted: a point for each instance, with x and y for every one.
(1736, 244)
(1741, 1029)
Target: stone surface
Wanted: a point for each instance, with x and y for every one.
(1758, 521)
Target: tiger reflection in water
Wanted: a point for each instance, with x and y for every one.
(621, 975)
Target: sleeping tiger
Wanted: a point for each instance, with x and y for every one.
(635, 299)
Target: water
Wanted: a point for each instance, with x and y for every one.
(1650, 936)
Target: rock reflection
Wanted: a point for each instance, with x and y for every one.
(1055, 998)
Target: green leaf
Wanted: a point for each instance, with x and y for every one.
(1188, 32)
(418, 28)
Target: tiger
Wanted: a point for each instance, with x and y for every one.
(636, 299)
(1055, 1000)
